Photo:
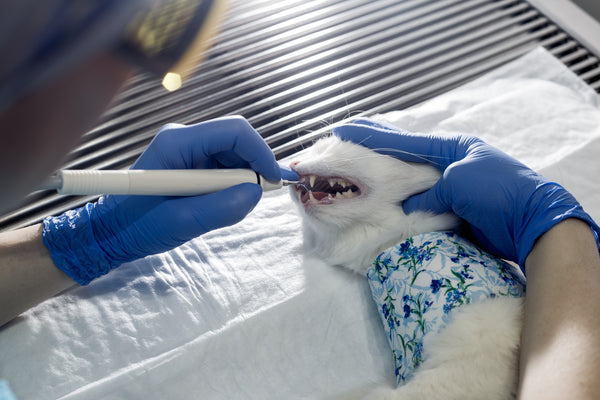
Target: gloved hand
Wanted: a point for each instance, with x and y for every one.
(506, 205)
(90, 241)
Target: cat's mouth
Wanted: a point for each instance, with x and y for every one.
(325, 190)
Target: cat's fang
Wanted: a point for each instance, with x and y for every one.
(311, 180)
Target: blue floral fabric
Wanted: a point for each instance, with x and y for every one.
(417, 283)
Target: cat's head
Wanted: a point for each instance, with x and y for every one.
(352, 208)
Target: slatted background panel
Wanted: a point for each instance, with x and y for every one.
(293, 68)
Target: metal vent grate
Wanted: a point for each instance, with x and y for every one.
(295, 67)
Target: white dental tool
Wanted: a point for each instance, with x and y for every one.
(166, 182)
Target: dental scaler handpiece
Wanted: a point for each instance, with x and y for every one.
(165, 182)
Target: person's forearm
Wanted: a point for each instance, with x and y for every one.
(28, 275)
(560, 345)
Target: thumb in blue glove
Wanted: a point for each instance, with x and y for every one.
(90, 241)
(505, 204)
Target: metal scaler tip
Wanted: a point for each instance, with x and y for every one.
(295, 183)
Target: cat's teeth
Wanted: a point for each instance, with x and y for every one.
(311, 197)
(348, 194)
(312, 179)
(332, 182)
(343, 184)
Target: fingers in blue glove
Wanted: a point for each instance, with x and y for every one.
(229, 142)
(194, 216)
(171, 222)
(288, 174)
(433, 200)
(377, 124)
(406, 146)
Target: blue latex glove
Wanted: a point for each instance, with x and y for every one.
(506, 205)
(90, 241)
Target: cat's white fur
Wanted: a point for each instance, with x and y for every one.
(475, 355)
(353, 232)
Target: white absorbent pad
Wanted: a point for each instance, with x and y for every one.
(241, 313)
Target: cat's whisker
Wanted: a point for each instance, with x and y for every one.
(366, 157)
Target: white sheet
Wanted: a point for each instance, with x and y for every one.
(240, 313)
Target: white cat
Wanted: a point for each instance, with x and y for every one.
(351, 205)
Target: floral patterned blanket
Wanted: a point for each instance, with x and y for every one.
(417, 283)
